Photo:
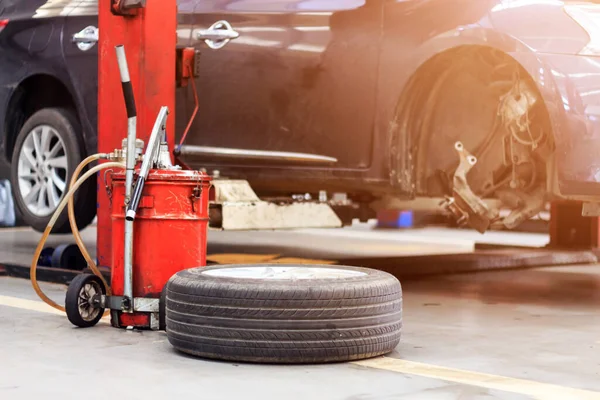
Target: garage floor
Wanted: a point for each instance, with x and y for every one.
(496, 335)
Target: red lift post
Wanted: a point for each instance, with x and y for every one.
(148, 31)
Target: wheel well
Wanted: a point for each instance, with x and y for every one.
(419, 105)
(33, 94)
(476, 110)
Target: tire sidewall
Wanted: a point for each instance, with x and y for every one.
(66, 125)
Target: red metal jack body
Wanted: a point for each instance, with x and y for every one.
(169, 236)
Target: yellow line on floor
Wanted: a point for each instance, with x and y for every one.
(536, 390)
(15, 229)
(31, 305)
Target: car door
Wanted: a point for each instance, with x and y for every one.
(184, 98)
(80, 50)
(81, 56)
(295, 77)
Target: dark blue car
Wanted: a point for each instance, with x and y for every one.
(481, 103)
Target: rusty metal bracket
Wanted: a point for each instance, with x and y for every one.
(466, 206)
(196, 192)
(107, 185)
(126, 7)
(590, 209)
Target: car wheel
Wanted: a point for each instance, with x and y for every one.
(47, 150)
(284, 313)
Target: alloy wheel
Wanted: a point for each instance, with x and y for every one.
(42, 170)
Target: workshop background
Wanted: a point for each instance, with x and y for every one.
(300, 199)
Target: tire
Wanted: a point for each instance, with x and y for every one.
(162, 308)
(73, 296)
(63, 129)
(68, 256)
(214, 313)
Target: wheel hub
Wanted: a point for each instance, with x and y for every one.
(42, 170)
(87, 307)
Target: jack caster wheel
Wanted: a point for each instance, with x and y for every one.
(83, 299)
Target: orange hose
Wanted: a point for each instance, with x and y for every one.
(59, 209)
(75, 230)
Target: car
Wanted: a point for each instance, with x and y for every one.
(48, 103)
(483, 104)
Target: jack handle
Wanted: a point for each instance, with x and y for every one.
(158, 133)
(131, 119)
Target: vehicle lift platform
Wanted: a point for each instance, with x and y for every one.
(293, 246)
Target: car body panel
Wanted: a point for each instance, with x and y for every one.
(558, 46)
(30, 45)
(324, 77)
(38, 41)
(289, 82)
(548, 43)
(85, 77)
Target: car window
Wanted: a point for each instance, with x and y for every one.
(7, 7)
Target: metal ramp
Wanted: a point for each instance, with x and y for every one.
(235, 206)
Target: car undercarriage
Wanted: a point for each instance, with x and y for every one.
(481, 132)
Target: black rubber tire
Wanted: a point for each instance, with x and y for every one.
(68, 256)
(72, 300)
(284, 321)
(68, 127)
(162, 309)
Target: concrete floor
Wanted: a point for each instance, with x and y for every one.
(496, 335)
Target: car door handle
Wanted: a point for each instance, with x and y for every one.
(218, 35)
(87, 38)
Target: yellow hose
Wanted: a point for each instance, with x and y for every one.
(75, 230)
(51, 223)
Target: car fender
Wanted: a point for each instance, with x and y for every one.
(393, 86)
(10, 90)
(28, 58)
